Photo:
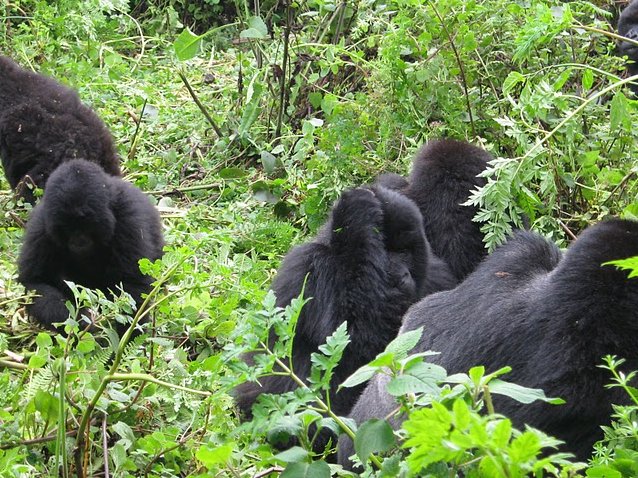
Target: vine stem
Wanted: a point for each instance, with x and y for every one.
(144, 309)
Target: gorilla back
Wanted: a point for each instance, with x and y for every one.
(366, 266)
(92, 229)
(44, 123)
(551, 319)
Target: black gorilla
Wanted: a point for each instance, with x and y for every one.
(92, 229)
(443, 175)
(367, 265)
(550, 317)
(42, 124)
(628, 27)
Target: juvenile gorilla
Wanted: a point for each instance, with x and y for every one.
(628, 27)
(550, 318)
(443, 175)
(42, 124)
(92, 229)
(366, 266)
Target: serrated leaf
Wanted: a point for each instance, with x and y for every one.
(513, 79)
(373, 436)
(405, 342)
(187, 45)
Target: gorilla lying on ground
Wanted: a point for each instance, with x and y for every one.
(92, 229)
(366, 266)
(628, 27)
(443, 175)
(550, 318)
(42, 124)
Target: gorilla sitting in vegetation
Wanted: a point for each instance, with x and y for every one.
(92, 229)
(551, 318)
(366, 266)
(42, 124)
(443, 175)
(628, 27)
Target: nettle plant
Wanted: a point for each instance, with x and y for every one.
(450, 427)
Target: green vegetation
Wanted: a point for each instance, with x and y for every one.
(244, 121)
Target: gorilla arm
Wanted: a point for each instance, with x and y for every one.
(38, 265)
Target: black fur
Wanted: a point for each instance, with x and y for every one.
(628, 27)
(92, 229)
(366, 266)
(443, 175)
(43, 124)
(551, 318)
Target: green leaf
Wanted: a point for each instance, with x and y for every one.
(269, 162)
(373, 436)
(47, 405)
(212, 456)
(256, 29)
(296, 454)
(405, 342)
(187, 45)
(362, 375)
(316, 469)
(232, 173)
(43, 340)
(520, 393)
(588, 79)
(619, 113)
(315, 99)
(251, 112)
(513, 79)
(603, 471)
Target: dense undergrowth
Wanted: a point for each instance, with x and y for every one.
(244, 121)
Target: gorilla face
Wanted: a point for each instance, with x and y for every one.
(76, 221)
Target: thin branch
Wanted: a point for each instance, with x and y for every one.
(200, 105)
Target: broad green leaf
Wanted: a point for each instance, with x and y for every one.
(268, 161)
(373, 436)
(256, 29)
(232, 173)
(522, 394)
(47, 405)
(603, 471)
(296, 454)
(212, 456)
(316, 469)
(364, 374)
(187, 45)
